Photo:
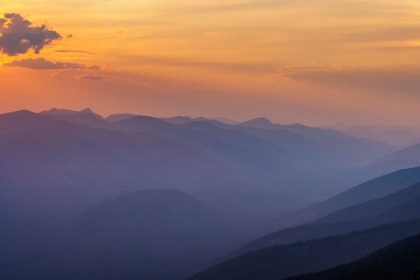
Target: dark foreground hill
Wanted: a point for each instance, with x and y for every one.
(278, 262)
(398, 261)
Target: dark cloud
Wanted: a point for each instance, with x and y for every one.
(19, 35)
(91, 77)
(69, 36)
(42, 64)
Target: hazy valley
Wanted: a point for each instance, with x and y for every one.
(140, 197)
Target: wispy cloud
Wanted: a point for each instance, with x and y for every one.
(43, 64)
(74, 51)
(395, 78)
(91, 77)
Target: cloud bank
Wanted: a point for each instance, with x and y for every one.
(19, 36)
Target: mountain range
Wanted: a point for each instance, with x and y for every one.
(141, 197)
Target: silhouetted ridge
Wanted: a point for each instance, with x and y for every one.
(21, 121)
(403, 205)
(22, 114)
(277, 262)
(139, 122)
(225, 120)
(397, 136)
(373, 189)
(186, 119)
(258, 123)
(398, 261)
(178, 120)
(64, 112)
(406, 158)
(119, 117)
(389, 206)
(87, 110)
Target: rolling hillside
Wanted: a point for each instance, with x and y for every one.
(381, 206)
(364, 192)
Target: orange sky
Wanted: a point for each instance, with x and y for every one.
(312, 61)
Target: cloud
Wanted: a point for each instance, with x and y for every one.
(42, 64)
(91, 77)
(388, 78)
(19, 36)
(74, 51)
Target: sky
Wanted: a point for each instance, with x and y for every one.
(315, 61)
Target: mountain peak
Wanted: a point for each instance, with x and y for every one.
(178, 120)
(258, 123)
(87, 110)
(225, 120)
(55, 111)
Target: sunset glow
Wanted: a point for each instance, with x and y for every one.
(316, 62)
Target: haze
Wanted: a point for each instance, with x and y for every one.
(210, 140)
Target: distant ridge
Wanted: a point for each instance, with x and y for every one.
(406, 158)
(399, 206)
(397, 135)
(20, 121)
(395, 203)
(178, 120)
(225, 120)
(370, 190)
(119, 117)
(55, 111)
(187, 119)
(263, 123)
